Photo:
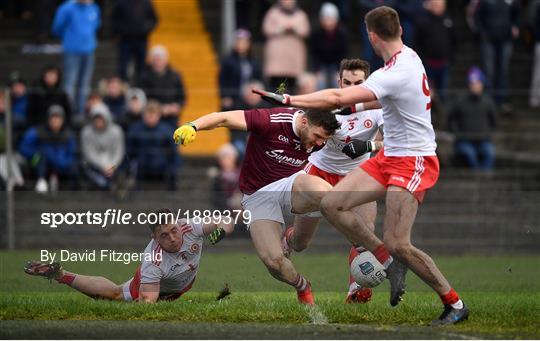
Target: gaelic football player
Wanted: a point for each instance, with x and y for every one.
(168, 270)
(358, 136)
(402, 172)
(271, 179)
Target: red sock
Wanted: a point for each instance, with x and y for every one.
(450, 298)
(382, 255)
(67, 278)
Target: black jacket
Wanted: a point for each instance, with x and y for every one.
(42, 97)
(133, 19)
(494, 19)
(328, 48)
(165, 88)
(472, 117)
(230, 75)
(436, 38)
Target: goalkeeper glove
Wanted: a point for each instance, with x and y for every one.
(185, 134)
(273, 98)
(216, 236)
(357, 148)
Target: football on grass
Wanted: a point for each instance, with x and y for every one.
(367, 270)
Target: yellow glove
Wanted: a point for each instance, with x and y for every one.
(185, 134)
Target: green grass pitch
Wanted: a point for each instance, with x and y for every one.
(503, 294)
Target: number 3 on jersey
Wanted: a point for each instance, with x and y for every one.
(425, 89)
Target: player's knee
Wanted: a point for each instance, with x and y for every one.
(330, 206)
(118, 294)
(299, 245)
(398, 249)
(274, 263)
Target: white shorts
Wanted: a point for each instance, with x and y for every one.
(273, 201)
(126, 292)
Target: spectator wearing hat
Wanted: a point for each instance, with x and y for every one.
(286, 27)
(76, 23)
(132, 22)
(162, 83)
(151, 150)
(328, 46)
(472, 119)
(50, 150)
(102, 146)
(47, 92)
(236, 69)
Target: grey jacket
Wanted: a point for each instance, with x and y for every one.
(102, 148)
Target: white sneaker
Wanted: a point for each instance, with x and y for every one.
(41, 186)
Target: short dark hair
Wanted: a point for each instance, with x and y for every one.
(163, 216)
(324, 119)
(354, 64)
(384, 21)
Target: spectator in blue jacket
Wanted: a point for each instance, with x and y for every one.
(50, 149)
(151, 151)
(76, 23)
(236, 69)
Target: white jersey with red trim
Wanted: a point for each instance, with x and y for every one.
(174, 271)
(401, 86)
(360, 126)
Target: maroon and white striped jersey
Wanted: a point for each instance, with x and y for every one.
(174, 271)
(274, 150)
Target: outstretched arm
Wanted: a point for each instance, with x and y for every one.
(324, 99)
(333, 98)
(234, 119)
(186, 133)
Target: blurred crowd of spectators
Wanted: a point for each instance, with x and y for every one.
(121, 132)
(110, 137)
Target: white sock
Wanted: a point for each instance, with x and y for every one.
(388, 262)
(360, 249)
(457, 305)
(353, 287)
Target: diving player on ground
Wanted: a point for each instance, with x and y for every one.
(168, 270)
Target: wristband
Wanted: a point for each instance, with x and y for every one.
(359, 107)
(216, 236)
(286, 99)
(193, 125)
